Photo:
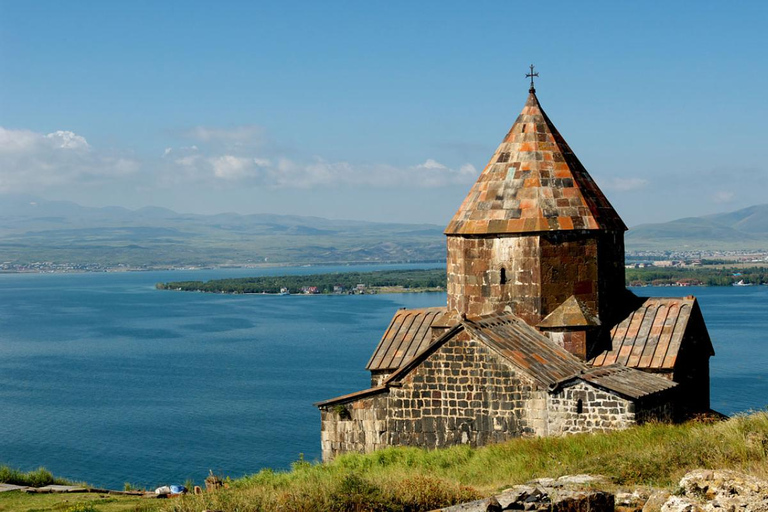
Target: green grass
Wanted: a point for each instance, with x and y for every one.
(40, 477)
(20, 502)
(411, 479)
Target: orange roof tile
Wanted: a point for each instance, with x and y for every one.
(408, 334)
(535, 176)
(651, 336)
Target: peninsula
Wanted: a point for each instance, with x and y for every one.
(383, 281)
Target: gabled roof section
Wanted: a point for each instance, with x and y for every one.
(651, 336)
(521, 345)
(628, 382)
(533, 183)
(408, 334)
(571, 313)
(525, 348)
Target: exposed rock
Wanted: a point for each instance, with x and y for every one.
(213, 482)
(680, 504)
(493, 505)
(631, 501)
(582, 501)
(719, 490)
(562, 495)
(11, 487)
(655, 501)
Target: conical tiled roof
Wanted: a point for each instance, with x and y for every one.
(533, 183)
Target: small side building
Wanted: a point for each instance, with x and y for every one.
(488, 380)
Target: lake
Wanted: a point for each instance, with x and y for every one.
(107, 380)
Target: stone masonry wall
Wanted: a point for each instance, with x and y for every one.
(662, 411)
(568, 267)
(379, 376)
(358, 426)
(463, 394)
(534, 274)
(475, 282)
(600, 410)
(612, 275)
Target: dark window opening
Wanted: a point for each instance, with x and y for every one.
(579, 406)
(503, 276)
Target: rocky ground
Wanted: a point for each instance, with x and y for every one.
(699, 491)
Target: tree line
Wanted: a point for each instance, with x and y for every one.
(436, 278)
(325, 283)
(696, 276)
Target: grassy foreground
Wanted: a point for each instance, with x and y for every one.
(409, 479)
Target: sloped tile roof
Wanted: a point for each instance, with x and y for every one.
(351, 397)
(521, 345)
(408, 334)
(526, 348)
(533, 183)
(571, 313)
(650, 337)
(625, 381)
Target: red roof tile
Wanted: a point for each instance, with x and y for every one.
(628, 382)
(525, 347)
(535, 183)
(650, 337)
(408, 334)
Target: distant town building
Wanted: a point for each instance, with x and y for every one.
(539, 336)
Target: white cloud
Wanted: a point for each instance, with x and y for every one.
(30, 161)
(229, 167)
(723, 196)
(248, 135)
(67, 140)
(623, 184)
(431, 164)
(244, 164)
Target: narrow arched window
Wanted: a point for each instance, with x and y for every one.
(503, 278)
(579, 406)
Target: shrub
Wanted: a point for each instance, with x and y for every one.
(37, 478)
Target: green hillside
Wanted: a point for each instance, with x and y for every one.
(741, 230)
(34, 230)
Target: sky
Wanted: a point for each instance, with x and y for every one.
(383, 111)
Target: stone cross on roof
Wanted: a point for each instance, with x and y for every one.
(531, 75)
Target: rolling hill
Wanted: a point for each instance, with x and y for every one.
(743, 229)
(35, 230)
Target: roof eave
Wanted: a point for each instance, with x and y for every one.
(351, 397)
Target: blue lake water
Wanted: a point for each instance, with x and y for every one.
(107, 380)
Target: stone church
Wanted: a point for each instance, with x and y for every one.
(540, 336)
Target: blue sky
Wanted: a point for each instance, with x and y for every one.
(377, 110)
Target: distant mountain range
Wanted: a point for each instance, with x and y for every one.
(36, 230)
(743, 229)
